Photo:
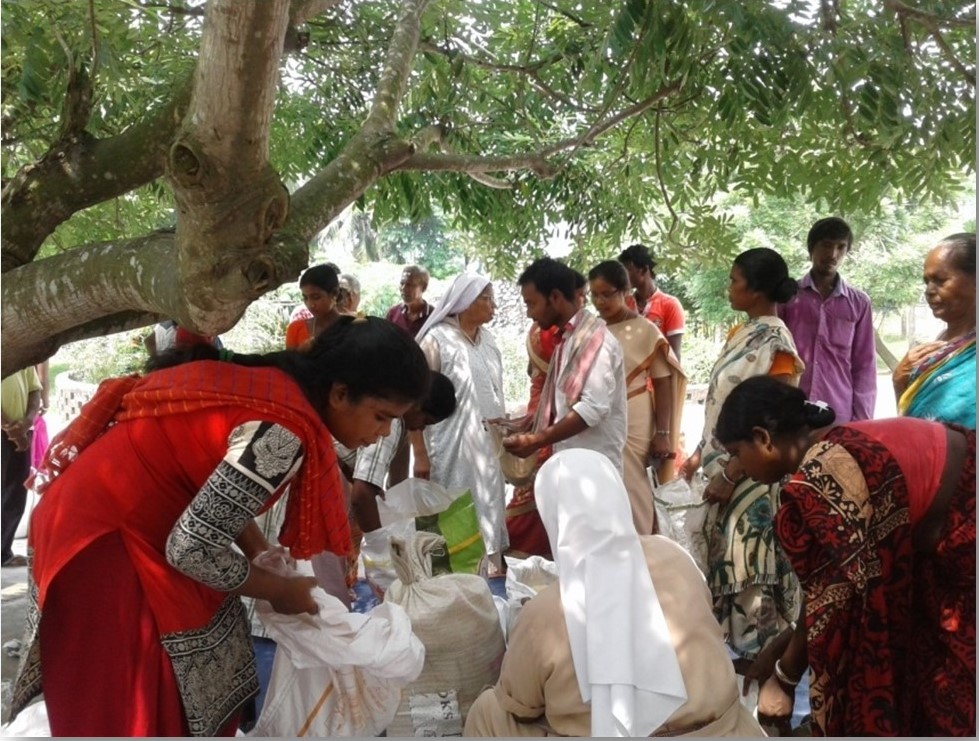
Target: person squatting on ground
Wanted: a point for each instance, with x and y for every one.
(879, 522)
(136, 627)
(626, 643)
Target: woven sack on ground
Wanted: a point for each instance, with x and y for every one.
(457, 621)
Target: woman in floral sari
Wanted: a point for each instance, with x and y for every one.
(937, 380)
(756, 595)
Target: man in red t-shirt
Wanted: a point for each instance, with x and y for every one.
(662, 309)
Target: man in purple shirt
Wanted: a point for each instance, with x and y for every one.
(413, 310)
(410, 315)
(833, 328)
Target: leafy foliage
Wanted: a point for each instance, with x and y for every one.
(612, 122)
(775, 99)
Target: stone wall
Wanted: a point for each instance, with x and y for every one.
(70, 395)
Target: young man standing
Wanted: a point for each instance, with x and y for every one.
(833, 327)
(21, 402)
(662, 309)
(583, 402)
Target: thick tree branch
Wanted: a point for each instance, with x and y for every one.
(367, 157)
(235, 81)
(372, 152)
(58, 296)
(229, 200)
(81, 172)
(397, 66)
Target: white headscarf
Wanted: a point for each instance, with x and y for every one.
(623, 652)
(464, 290)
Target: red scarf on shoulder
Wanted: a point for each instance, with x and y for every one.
(316, 517)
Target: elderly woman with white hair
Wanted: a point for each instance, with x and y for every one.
(458, 453)
(626, 643)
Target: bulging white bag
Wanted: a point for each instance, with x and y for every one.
(337, 673)
(681, 512)
(454, 615)
(397, 510)
(525, 577)
(31, 722)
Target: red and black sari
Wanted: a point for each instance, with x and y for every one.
(891, 631)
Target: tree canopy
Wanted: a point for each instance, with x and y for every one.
(173, 158)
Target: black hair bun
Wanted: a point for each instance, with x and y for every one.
(818, 414)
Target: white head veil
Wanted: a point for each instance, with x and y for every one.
(623, 653)
(464, 290)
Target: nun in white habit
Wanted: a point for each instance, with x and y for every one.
(626, 644)
(459, 451)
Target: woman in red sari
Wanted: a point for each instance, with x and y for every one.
(135, 626)
(879, 521)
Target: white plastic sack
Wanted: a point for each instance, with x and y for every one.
(525, 577)
(414, 498)
(337, 673)
(681, 512)
(454, 615)
(398, 509)
(31, 722)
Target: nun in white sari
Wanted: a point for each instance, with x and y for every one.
(459, 450)
(626, 644)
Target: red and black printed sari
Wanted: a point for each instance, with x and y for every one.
(891, 632)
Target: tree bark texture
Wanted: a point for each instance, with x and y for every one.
(237, 234)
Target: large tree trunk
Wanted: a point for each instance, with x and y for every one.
(237, 234)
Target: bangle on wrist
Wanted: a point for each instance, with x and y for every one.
(782, 677)
(724, 476)
(665, 433)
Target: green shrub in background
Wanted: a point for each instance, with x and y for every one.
(94, 360)
(698, 355)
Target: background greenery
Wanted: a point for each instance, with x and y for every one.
(886, 261)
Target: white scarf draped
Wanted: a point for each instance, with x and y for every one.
(464, 290)
(623, 652)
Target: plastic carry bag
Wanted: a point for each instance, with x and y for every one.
(337, 673)
(417, 505)
(681, 512)
(525, 577)
(31, 722)
(516, 470)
